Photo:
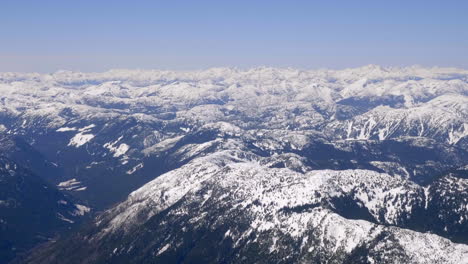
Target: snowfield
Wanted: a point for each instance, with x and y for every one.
(262, 165)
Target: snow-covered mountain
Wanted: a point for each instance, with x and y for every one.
(225, 209)
(363, 103)
(282, 155)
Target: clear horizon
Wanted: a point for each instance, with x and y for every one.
(237, 68)
(47, 36)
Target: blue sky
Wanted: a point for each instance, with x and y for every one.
(46, 36)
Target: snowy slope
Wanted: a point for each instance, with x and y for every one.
(277, 97)
(356, 165)
(220, 203)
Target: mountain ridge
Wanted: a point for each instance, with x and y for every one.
(105, 136)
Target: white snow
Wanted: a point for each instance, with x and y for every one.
(80, 139)
(263, 193)
(274, 110)
(163, 249)
(435, 100)
(81, 210)
(63, 218)
(118, 149)
(68, 183)
(71, 185)
(137, 167)
(66, 129)
(87, 128)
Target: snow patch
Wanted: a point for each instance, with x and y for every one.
(137, 167)
(80, 139)
(66, 129)
(119, 150)
(63, 218)
(71, 185)
(81, 210)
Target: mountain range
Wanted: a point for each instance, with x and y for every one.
(264, 165)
